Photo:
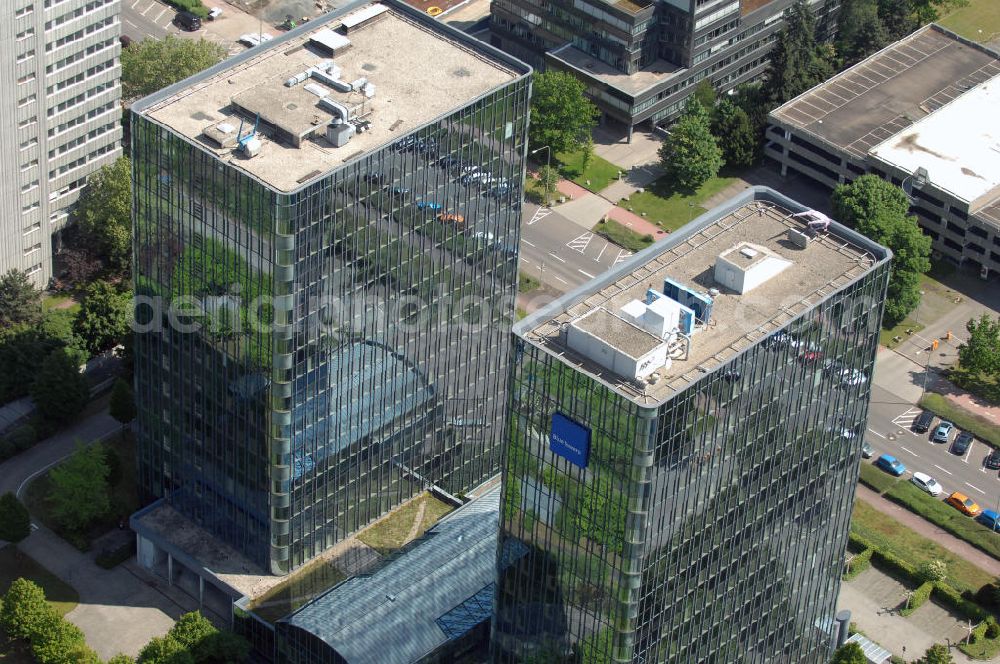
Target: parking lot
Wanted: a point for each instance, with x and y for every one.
(142, 18)
(890, 432)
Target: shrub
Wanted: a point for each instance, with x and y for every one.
(15, 523)
(933, 570)
(859, 563)
(894, 564)
(992, 628)
(917, 599)
(875, 479)
(22, 437)
(24, 611)
(114, 557)
(193, 6)
(952, 598)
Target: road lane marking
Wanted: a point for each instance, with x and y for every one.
(540, 214)
(976, 488)
(876, 433)
(580, 243)
(603, 249)
(969, 453)
(556, 276)
(910, 451)
(586, 274)
(143, 12)
(622, 255)
(158, 16)
(943, 470)
(561, 260)
(530, 244)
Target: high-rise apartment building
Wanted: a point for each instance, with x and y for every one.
(335, 226)
(685, 434)
(60, 119)
(640, 59)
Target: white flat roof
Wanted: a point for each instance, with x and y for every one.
(959, 144)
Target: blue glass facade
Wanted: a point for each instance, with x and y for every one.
(707, 526)
(337, 347)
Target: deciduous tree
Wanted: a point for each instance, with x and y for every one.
(705, 93)
(561, 115)
(165, 650)
(24, 609)
(981, 352)
(734, 134)
(936, 654)
(859, 30)
(20, 301)
(690, 154)
(59, 389)
(103, 319)
(152, 64)
(122, 405)
(849, 653)
(79, 493)
(104, 214)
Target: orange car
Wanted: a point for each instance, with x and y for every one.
(452, 217)
(964, 504)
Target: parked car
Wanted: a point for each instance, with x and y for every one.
(962, 443)
(990, 519)
(810, 356)
(992, 460)
(451, 218)
(429, 205)
(402, 191)
(188, 21)
(942, 433)
(923, 422)
(853, 377)
(867, 451)
(375, 177)
(890, 464)
(964, 504)
(927, 483)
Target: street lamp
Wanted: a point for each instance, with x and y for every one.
(548, 166)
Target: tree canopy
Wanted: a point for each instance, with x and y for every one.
(122, 405)
(936, 654)
(59, 389)
(561, 115)
(878, 209)
(20, 301)
(690, 154)
(849, 653)
(103, 319)
(152, 64)
(80, 487)
(734, 134)
(104, 214)
(15, 523)
(797, 61)
(859, 30)
(981, 352)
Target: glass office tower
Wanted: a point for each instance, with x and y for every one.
(698, 512)
(324, 297)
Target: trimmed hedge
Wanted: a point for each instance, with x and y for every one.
(947, 517)
(193, 6)
(859, 564)
(875, 479)
(963, 419)
(113, 557)
(917, 599)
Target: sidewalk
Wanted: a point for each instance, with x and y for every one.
(929, 530)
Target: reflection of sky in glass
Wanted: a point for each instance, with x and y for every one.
(363, 387)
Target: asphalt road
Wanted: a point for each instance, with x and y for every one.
(147, 18)
(563, 254)
(889, 420)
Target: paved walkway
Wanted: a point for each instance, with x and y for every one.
(636, 223)
(959, 547)
(121, 609)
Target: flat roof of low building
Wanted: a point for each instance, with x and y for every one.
(435, 591)
(442, 71)
(760, 216)
(877, 98)
(959, 145)
(655, 72)
(618, 332)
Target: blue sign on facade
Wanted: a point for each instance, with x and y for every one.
(570, 440)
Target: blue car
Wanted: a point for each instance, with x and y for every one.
(990, 519)
(890, 464)
(429, 205)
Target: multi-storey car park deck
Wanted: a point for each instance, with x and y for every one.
(829, 262)
(388, 95)
(882, 115)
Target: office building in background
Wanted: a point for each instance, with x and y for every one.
(336, 229)
(685, 438)
(60, 119)
(641, 59)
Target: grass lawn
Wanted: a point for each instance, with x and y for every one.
(391, 532)
(885, 336)
(947, 517)
(14, 565)
(979, 21)
(876, 479)
(124, 497)
(302, 586)
(670, 209)
(622, 236)
(526, 283)
(884, 531)
(533, 190)
(600, 172)
(65, 302)
(963, 419)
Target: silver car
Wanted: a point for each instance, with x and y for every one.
(927, 483)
